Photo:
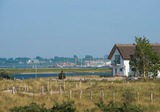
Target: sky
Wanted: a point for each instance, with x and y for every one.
(49, 28)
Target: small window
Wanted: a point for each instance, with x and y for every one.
(121, 69)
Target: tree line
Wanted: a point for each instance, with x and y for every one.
(55, 60)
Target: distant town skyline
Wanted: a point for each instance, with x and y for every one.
(30, 28)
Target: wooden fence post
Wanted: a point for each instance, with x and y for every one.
(91, 95)
(60, 89)
(48, 86)
(138, 96)
(80, 94)
(42, 90)
(56, 83)
(80, 84)
(113, 97)
(102, 95)
(91, 83)
(152, 98)
(64, 85)
(76, 86)
(13, 90)
(70, 94)
(51, 92)
(27, 88)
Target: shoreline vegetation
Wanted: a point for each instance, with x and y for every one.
(53, 70)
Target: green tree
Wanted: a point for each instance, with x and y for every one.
(62, 75)
(155, 65)
(5, 75)
(143, 59)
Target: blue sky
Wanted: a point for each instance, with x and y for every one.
(48, 28)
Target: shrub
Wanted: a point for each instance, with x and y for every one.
(64, 107)
(128, 96)
(130, 108)
(111, 107)
(5, 75)
(62, 75)
(33, 107)
(114, 107)
(91, 110)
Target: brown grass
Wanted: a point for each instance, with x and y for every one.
(9, 100)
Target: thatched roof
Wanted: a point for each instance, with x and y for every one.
(128, 49)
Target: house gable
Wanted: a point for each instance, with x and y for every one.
(125, 51)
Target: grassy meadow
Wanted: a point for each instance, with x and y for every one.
(84, 93)
(53, 70)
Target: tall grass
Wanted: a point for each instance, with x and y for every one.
(9, 100)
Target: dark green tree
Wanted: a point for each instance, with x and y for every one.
(62, 75)
(5, 75)
(143, 59)
(155, 65)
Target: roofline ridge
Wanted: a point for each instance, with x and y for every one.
(124, 44)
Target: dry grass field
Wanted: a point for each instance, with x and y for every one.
(85, 92)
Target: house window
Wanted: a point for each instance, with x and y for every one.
(121, 69)
(117, 59)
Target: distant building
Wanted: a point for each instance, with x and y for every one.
(33, 61)
(97, 63)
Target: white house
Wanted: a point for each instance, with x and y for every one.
(120, 58)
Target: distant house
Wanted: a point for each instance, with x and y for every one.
(120, 58)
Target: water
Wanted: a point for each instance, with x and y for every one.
(31, 76)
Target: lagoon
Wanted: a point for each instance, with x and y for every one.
(31, 76)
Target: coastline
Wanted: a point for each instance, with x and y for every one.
(39, 73)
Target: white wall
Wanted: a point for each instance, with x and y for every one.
(123, 64)
(127, 67)
(158, 76)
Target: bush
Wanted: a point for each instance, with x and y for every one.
(128, 96)
(64, 107)
(5, 75)
(111, 107)
(33, 107)
(114, 107)
(130, 108)
(62, 75)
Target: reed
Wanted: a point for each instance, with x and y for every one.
(107, 90)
